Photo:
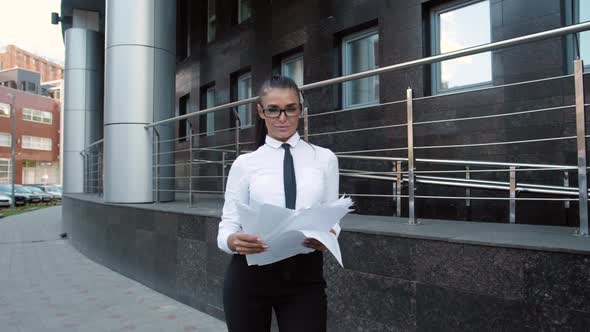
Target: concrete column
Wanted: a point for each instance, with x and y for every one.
(83, 84)
(139, 89)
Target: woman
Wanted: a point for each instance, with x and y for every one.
(285, 171)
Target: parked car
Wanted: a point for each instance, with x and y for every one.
(31, 197)
(6, 189)
(53, 190)
(5, 200)
(45, 197)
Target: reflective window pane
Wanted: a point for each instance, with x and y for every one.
(462, 28)
(293, 68)
(584, 16)
(360, 54)
(211, 18)
(4, 109)
(245, 92)
(5, 139)
(36, 143)
(210, 116)
(244, 10)
(5, 171)
(37, 116)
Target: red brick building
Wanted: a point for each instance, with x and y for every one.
(37, 138)
(16, 57)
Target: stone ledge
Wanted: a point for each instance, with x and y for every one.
(532, 237)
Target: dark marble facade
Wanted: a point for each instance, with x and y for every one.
(316, 27)
(390, 283)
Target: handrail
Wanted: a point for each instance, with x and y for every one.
(456, 54)
(458, 162)
(479, 184)
(92, 173)
(93, 144)
(423, 61)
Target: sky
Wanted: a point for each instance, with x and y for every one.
(27, 24)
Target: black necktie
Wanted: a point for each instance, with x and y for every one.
(289, 178)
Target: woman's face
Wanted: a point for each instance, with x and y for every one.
(283, 127)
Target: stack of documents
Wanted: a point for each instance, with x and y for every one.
(284, 230)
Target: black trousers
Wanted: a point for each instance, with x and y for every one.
(293, 287)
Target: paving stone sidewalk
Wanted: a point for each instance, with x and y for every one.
(47, 285)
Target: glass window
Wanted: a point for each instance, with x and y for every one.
(583, 15)
(360, 53)
(34, 115)
(292, 67)
(211, 18)
(210, 116)
(244, 10)
(183, 108)
(5, 110)
(5, 139)
(48, 118)
(36, 143)
(456, 28)
(183, 44)
(188, 35)
(5, 174)
(245, 92)
(28, 114)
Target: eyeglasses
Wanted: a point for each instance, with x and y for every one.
(275, 112)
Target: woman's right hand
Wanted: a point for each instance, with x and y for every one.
(245, 244)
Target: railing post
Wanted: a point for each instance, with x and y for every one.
(512, 195)
(566, 183)
(581, 147)
(157, 161)
(394, 189)
(398, 188)
(223, 171)
(467, 190)
(237, 133)
(102, 170)
(190, 163)
(85, 170)
(98, 176)
(411, 194)
(305, 123)
(90, 168)
(88, 174)
(95, 175)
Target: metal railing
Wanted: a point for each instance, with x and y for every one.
(404, 174)
(190, 164)
(93, 167)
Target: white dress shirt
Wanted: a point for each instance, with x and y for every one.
(258, 176)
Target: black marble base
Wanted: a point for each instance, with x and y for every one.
(390, 283)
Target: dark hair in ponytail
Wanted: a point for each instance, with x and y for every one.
(275, 82)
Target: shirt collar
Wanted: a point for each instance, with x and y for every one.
(276, 144)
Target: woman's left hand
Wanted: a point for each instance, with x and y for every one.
(315, 244)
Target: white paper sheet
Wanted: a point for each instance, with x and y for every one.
(284, 230)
